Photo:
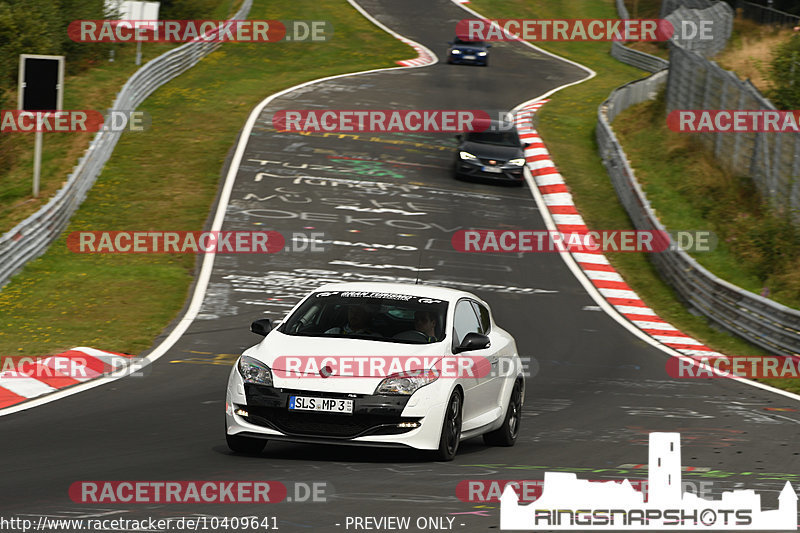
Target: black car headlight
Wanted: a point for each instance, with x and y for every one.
(254, 371)
(517, 162)
(455, 52)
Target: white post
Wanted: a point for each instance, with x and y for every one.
(138, 53)
(37, 162)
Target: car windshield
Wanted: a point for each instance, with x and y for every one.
(499, 138)
(461, 42)
(374, 316)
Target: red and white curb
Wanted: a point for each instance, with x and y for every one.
(424, 56)
(558, 201)
(46, 375)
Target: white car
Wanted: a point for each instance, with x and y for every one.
(378, 364)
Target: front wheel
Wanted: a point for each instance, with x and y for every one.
(506, 435)
(451, 429)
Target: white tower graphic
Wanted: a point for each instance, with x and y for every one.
(568, 503)
(664, 473)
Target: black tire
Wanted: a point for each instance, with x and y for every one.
(506, 435)
(244, 445)
(451, 429)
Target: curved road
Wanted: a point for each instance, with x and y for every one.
(596, 394)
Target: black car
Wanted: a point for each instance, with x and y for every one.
(469, 52)
(496, 154)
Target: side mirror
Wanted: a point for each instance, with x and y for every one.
(472, 341)
(459, 137)
(262, 326)
(525, 145)
(450, 43)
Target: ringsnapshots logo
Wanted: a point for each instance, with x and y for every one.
(392, 120)
(568, 503)
(182, 31)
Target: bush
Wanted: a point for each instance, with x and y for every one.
(784, 74)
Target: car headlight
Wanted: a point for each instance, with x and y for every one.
(517, 162)
(406, 383)
(466, 155)
(254, 371)
(481, 54)
(455, 52)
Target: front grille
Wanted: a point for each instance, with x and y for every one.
(497, 162)
(298, 423)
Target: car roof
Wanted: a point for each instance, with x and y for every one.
(425, 291)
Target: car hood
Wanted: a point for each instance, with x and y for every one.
(295, 361)
(492, 151)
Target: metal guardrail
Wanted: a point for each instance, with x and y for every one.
(31, 237)
(632, 57)
(768, 324)
(765, 14)
(637, 59)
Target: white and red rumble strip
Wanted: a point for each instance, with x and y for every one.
(423, 56)
(594, 264)
(92, 363)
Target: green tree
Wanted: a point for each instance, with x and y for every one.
(785, 75)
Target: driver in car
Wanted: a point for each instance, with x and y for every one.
(358, 319)
(425, 323)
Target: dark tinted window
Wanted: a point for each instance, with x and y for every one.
(483, 314)
(464, 321)
(368, 315)
(500, 138)
(468, 43)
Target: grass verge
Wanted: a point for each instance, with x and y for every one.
(166, 178)
(94, 86)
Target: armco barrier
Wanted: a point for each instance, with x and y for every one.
(632, 57)
(772, 326)
(31, 237)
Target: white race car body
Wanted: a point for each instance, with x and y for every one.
(317, 392)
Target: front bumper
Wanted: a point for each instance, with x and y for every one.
(466, 168)
(460, 60)
(377, 420)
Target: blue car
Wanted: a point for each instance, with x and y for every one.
(468, 52)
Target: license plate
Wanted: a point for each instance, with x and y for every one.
(328, 405)
(493, 170)
(469, 57)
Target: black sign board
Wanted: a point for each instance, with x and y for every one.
(41, 79)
